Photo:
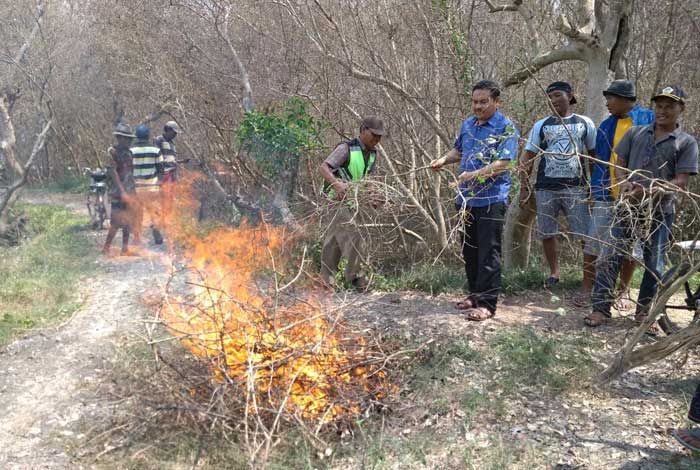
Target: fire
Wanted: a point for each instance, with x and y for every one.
(283, 354)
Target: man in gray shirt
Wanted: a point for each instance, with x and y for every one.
(655, 161)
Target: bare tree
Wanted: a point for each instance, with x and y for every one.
(594, 32)
(18, 170)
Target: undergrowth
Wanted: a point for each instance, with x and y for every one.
(38, 277)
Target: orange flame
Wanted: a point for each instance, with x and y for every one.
(285, 354)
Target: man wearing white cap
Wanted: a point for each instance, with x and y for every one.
(167, 148)
(168, 152)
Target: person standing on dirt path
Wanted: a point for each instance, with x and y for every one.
(148, 171)
(621, 101)
(349, 163)
(485, 147)
(122, 189)
(168, 152)
(560, 140)
(655, 162)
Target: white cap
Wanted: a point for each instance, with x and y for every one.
(174, 126)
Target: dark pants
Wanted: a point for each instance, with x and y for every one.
(694, 411)
(655, 246)
(481, 249)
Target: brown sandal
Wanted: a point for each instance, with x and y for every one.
(640, 317)
(595, 319)
(479, 314)
(688, 438)
(465, 304)
(623, 302)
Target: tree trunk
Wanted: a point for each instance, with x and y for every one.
(517, 234)
(598, 77)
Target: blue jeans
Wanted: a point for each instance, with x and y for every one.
(622, 240)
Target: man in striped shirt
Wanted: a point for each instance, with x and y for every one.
(148, 171)
(167, 148)
(166, 145)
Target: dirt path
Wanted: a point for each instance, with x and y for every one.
(44, 376)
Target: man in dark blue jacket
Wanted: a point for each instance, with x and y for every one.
(621, 101)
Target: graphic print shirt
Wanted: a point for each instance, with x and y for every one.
(559, 141)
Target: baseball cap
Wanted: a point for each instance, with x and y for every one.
(374, 124)
(671, 91)
(174, 126)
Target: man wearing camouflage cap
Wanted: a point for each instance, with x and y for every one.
(655, 162)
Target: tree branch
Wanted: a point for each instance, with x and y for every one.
(493, 8)
(568, 52)
(248, 103)
(9, 197)
(23, 50)
(576, 35)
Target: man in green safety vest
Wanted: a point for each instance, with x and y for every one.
(349, 162)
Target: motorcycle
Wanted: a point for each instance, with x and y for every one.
(97, 197)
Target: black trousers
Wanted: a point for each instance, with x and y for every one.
(694, 411)
(481, 250)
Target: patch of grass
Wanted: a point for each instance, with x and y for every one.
(37, 278)
(501, 455)
(533, 277)
(527, 357)
(474, 402)
(518, 280)
(71, 184)
(441, 360)
(433, 279)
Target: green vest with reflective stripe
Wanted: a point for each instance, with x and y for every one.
(354, 168)
(356, 162)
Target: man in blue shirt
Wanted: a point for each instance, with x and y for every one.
(484, 148)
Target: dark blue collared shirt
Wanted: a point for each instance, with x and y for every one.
(480, 145)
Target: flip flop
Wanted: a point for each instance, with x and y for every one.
(465, 304)
(682, 436)
(551, 282)
(479, 314)
(640, 318)
(623, 302)
(595, 319)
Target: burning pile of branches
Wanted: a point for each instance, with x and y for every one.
(284, 355)
(281, 357)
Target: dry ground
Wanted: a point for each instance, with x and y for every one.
(461, 406)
